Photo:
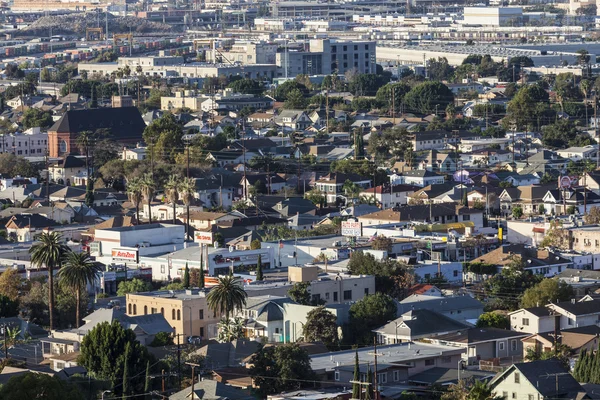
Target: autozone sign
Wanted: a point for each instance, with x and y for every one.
(351, 228)
(126, 255)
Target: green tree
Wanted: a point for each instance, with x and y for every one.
(89, 193)
(247, 86)
(505, 289)
(77, 272)
(33, 385)
(562, 134)
(493, 320)
(10, 284)
(228, 295)
(517, 212)
(295, 100)
(148, 186)
(255, 244)
(48, 252)
(133, 286)
(299, 293)
(126, 377)
(134, 193)
(527, 106)
(164, 137)
(369, 313)
(172, 193)
(428, 97)
(395, 91)
(391, 276)
(34, 117)
(321, 326)
(259, 269)
(186, 277)
(440, 69)
(8, 307)
(187, 188)
(281, 368)
(548, 290)
(282, 91)
(201, 282)
(103, 353)
(230, 329)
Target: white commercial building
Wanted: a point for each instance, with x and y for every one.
(492, 16)
(30, 143)
(125, 245)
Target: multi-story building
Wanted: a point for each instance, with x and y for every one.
(186, 311)
(31, 143)
(245, 53)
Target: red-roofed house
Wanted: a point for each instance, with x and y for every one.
(424, 289)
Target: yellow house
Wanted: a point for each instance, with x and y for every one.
(186, 310)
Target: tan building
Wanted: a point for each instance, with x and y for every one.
(185, 310)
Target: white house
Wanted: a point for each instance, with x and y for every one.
(137, 153)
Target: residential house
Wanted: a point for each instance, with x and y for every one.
(218, 356)
(389, 195)
(432, 193)
(417, 324)
(136, 153)
(575, 313)
(260, 119)
(438, 140)
(484, 343)
(528, 198)
(542, 379)
(294, 205)
(425, 290)
(264, 317)
(24, 228)
(537, 261)
(435, 161)
(229, 157)
(331, 185)
(486, 158)
(558, 202)
(459, 308)
(532, 320)
(69, 171)
(421, 178)
(203, 220)
(212, 390)
(478, 144)
(303, 222)
(577, 339)
(295, 120)
(589, 152)
(272, 183)
(543, 162)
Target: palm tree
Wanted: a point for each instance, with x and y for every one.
(134, 192)
(139, 69)
(227, 295)
(78, 271)
(323, 258)
(172, 193)
(148, 186)
(187, 188)
(83, 141)
(49, 251)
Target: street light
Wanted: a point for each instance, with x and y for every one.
(106, 391)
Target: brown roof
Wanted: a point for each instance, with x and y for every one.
(504, 255)
(206, 215)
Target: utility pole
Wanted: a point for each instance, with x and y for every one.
(375, 354)
(47, 179)
(5, 342)
(393, 105)
(193, 375)
(179, 359)
(188, 160)
(596, 128)
(327, 111)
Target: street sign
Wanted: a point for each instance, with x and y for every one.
(352, 228)
(204, 237)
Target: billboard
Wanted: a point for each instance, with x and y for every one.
(125, 254)
(351, 228)
(204, 237)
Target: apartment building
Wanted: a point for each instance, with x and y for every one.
(32, 142)
(186, 311)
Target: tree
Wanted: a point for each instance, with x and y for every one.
(548, 290)
(395, 91)
(126, 377)
(439, 70)
(299, 293)
(259, 269)
(391, 276)
(321, 326)
(12, 165)
(370, 312)
(316, 197)
(295, 100)
(164, 137)
(10, 284)
(583, 56)
(134, 193)
(34, 117)
(247, 86)
(172, 193)
(382, 243)
(33, 385)
(148, 186)
(281, 368)
(356, 389)
(505, 289)
(230, 329)
(187, 188)
(282, 91)
(591, 218)
(201, 276)
(493, 320)
(322, 257)
(8, 307)
(255, 244)
(77, 272)
(186, 277)
(429, 96)
(103, 353)
(133, 286)
(528, 105)
(228, 295)
(517, 212)
(48, 252)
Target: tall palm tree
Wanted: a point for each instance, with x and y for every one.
(148, 186)
(172, 193)
(134, 192)
(187, 188)
(78, 271)
(84, 140)
(48, 251)
(227, 295)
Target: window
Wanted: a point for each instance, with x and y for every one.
(337, 375)
(153, 310)
(145, 310)
(345, 48)
(501, 346)
(202, 332)
(381, 378)
(178, 315)
(429, 362)
(201, 314)
(366, 291)
(570, 321)
(162, 311)
(514, 395)
(513, 345)
(355, 47)
(335, 296)
(347, 294)
(466, 217)
(525, 322)
(129, 307)
(505, 395)
(173, 314)
(396, 376)
(366, 47)
(530, 397)
(455, 273)
(162, 269)
(446, 360)
(517, 377)
(60, 365)
(134, 309)
(327, 296)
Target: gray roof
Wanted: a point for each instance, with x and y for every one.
(212, 390)
(445, 376)
(151, 324)
(230, 354)
(419, 323)
(476, 335)
(439, 304)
